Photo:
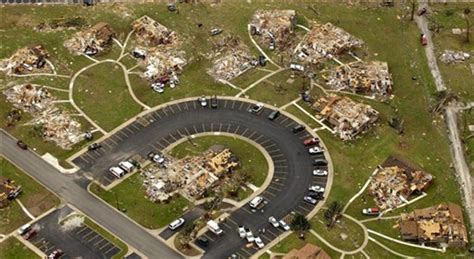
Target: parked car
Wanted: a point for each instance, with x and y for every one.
(316, 195)
(202, 101)
(176, 224)
(257, 108)
(308, 199)
(284, 225)
(255, 202)
(21, 145)
(249, 236)
(273, 221)
(202, 241)
(297, 128)
(216, 31)
(55, 254)
(316, 188)
(158, 159)
(158, 88)
(214, 102)
(371, 211)
(117, 171)
(23, 229)
(320, 162)
(30, 234)
(94, 146)
(273, 115)
(315, 150)
(126, 166)
(271, 46)
(423, 39)
(311, 141)
(259, 242)
(242, 232)
(320, 172)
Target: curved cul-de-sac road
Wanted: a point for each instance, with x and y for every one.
(159, 128)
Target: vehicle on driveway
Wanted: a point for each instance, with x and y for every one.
(297, 128)
(273, 115)
(21, 145)
(315, 150)
(311, 141)
(202, 101)
(320, 172)
(273, 221)
(284, 225)
(241, 231)
(249, 236)
(308, 199)
(202, 241)
(316, 188)
(371, 211)
(259, 242)
(176, 224)
(94, 146)
(55, 254)
(257, 108)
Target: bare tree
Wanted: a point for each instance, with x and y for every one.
(467, 13)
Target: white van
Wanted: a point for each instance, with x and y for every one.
(297, 67)
(214, 227)
(176, 224)
(117, 171)
(126, 166)
(23, 229)
(256, 201)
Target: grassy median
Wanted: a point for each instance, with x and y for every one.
(12, 248)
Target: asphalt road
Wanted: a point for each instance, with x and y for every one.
(72, 190)
(293, 164)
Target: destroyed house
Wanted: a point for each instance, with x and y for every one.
(92, 40)
(392, 186)
(348, 117)
(370, 78)
(274, 26)
(222, 162)
(323, 42)
(152, 33)
(8, 191)
(439, 225)
(26, 60)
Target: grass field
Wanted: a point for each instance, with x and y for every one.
(252, 160)
(144, 212)
(12, 248)
(294, 242)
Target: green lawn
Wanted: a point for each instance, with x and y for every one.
(144, 212)
(302, 116)
(117, 242)
(11, 218)
(12, 248)
(294, 242)
(252, 160)
(36, 198)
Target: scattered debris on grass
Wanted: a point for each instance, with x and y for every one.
(30, 59)
(274, 28)
(151, 33)
(231, 59)
(370, 78)
(61, 24)
(453, 56)
(349, 117)
(53, 123)
(92, 40)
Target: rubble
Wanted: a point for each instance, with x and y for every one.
(30, 59)
(441, 225)
(392, 186)
(61, 24)
(152, 33)
(370, 78)
(190, 176)
(92, 40)
(231, 59)
(54, 124)
(453, 56)
(349, 118)
(162, 65)
(324, 41)
(9, 190)
(274, 28)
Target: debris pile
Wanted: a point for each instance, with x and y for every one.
(274, 27)
(231, 59)
(324, 42)
(151, 33)
(441, 225)
(162, 66)
(349, 118)
(30, 59)
(92, 40)
(8, 191)
(61, 24)
(453, 56)
(392, 186)
(54, 124)
(362, 77)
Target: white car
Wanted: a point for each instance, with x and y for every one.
(273, 221)
(316, 188)
(176, 224)
(203, 101)
(320, 172)
(284, 225)
(259, 242)
(158, 159)
(242, 232)
(310, 200)
(316, 150)
(158, 89)
(256, 108)
(249, 236)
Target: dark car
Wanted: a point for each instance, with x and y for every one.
(297, 128)
(214, 102)
(21, 145)
(202, 241)
(273, 115)
(320, 162)
(94, 146)
(316, 195)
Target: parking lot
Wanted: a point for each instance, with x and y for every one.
(80, 242)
